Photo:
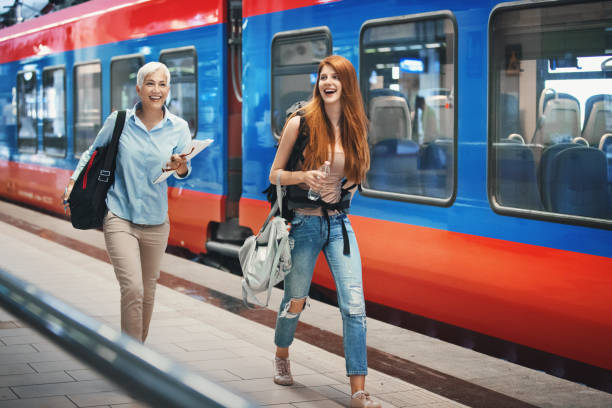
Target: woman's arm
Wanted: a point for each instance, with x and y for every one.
(177, 160)
(288, 139)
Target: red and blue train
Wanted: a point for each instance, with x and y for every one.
(488, 203)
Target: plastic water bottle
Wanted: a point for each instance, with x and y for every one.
(315, 195)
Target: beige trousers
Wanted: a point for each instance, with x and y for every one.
(136, 252)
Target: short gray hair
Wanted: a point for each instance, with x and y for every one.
(150, 68)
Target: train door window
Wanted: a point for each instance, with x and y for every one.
(27, 126)
(408, 81)
(550, 121)
(295, 59)
(54, 111)
(182, 99)
(123, 81)
(87, 105)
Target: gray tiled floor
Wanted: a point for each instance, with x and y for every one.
(226, 348)
(210, 341)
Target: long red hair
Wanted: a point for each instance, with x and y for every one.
(353, 124)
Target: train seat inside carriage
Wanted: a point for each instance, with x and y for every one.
(584, 192)
(559, 118)
(580, 140)
(435, 164)
(438, 118)
(399, 164)
(597, 118)
(516, 175)
(393, 163)
(513, 138)
(509, 117)
(575, 184)
(393, 167)
(605, 145)
(545, 170)
(389, 119)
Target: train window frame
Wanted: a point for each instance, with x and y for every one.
(122, 58)
(288, 37)
(20, 149)
(75, 102)
(193, 50)
(413, 18)
(492, 118)
(65, 113)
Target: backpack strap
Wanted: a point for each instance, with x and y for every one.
(111, 156)
(351, 186)
(297, 151)
(279, 193)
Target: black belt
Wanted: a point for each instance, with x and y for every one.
(336, 206)
(298, 199)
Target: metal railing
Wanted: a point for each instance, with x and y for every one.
(143, 373)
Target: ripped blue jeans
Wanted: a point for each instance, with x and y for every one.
(309, 233)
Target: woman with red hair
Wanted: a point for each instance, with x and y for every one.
(332, 128)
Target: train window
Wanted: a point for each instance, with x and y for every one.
(123, 81)
(183, 100)
(550, 125)
(27, 126)
(295, 58)
(407, 74)
(87, 105)
(54, 111)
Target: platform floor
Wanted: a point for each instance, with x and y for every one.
(223, 345)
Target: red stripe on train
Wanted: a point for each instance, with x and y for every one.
(100, 22)
(546, 298)
(255, 7)
(191, 212)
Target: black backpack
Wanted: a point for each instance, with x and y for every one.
(296, 197)
(88, 197)
(296, 156)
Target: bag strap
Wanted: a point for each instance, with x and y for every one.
(279, 193)
(278, 205)
(114, 143)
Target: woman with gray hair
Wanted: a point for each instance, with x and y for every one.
(136, 226)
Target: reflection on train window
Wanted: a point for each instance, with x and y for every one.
(295, 58)
(407, 72)
(27, 134)
(182, 99)
(551, 117)
(87, 105)
(54, 111)
(123, 81)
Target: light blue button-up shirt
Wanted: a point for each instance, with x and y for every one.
(141, 156)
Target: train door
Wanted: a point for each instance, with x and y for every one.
(234, 108)
(228, 234)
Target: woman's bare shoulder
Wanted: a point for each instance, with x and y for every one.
(291, 129)
(294, 122)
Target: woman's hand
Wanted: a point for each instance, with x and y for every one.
(314, 179)
(177, 162)
(66, 195)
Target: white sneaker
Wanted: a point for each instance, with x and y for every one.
(282, 371)
(361, 399)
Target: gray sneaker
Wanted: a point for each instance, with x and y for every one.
(361, 399)
(282, 371)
